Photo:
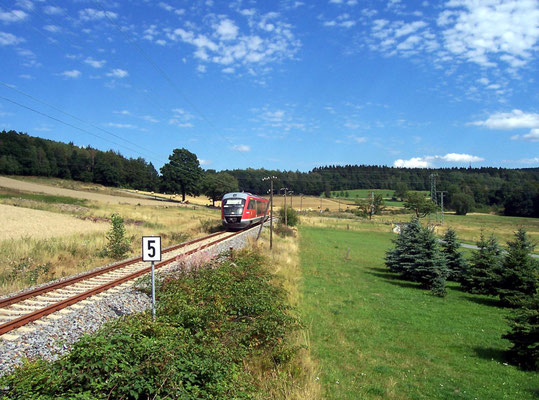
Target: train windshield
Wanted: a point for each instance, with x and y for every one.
(233, 202)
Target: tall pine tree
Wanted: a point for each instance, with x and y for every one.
(483, 274)
(520, 272)
(456, 264)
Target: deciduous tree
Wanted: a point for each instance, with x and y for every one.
(419, 204)
(182, 174)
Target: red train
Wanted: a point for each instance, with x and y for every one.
(239, 210)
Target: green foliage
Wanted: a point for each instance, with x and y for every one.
(118, 244)
(483, 273)
(455, 261)
(371, 206)
(216, 185)
(419, 204)
(524, 334)
(292, 216)
(519, 279)
(283, 230)
(417, 257)
(209, 324)
(462, 203)
(182, 174)
(401, 190)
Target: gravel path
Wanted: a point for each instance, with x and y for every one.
(54, 336)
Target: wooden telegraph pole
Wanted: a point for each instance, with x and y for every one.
(285, 214)
(271, 178)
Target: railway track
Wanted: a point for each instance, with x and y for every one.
(19, 310)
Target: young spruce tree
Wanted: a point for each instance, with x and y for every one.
(430, 266)
(483, 275)
(456, 264)
(524, 334)
(401, 258)
(519, 279)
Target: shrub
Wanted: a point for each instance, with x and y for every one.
(118, 244)
(208, 326)
(292, 216)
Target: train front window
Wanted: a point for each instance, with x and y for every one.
(233, 206)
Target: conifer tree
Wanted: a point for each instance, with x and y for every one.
(456, 264)
(524, 334)
(483, 274)
(401, 259)
(430, 265)
(520, 272)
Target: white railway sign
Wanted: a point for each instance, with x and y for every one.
(151, 248)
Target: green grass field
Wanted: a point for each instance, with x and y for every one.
(354, 194)
(376, 336)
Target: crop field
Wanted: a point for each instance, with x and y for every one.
(376, 336)
(53, 231)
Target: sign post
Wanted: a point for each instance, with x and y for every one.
(151, 251)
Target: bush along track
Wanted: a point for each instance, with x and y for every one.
(211, 324)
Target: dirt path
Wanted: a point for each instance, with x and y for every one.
(103, 198)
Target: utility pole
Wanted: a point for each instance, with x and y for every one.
(285, 215)
(433, 177)
(372, 204)
(290, 193)
(271, 178)
(300, 202)
(442, 203)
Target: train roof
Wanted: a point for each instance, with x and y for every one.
(240, 195)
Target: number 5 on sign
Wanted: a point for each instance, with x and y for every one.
(151, 248)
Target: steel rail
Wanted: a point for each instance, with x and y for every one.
(25, 319)
(57, 285)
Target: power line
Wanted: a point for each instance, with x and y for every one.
(76, 118)
(68, 124)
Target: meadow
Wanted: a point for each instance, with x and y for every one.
(375, 336)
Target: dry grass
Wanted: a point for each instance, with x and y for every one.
(41, 241)
(18, 222)
(301, 381)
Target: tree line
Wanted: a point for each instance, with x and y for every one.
(510, 191)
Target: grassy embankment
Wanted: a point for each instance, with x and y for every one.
(226, 332)
(27, 260)
(376, 336)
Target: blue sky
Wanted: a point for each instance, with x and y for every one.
(278, 84)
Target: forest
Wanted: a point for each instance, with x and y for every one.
(507, 191)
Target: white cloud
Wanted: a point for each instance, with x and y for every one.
(91, 14)
(343, 21)
(477, 31)
(149, 118)
(12, 16)
(26, 4)
(181, 118)
(510, 120)
(8, 39)
(265, 39)
(430, 161)
(533, 136)
(460, 158)
(227, 30)
(204, 162)
(242, 148)
(122, 126)
(201, 68)
(94, 63)
(122, 112)
(358, 139)
(74, 73)
(118, 73)
(52, 10)
(52, 28)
